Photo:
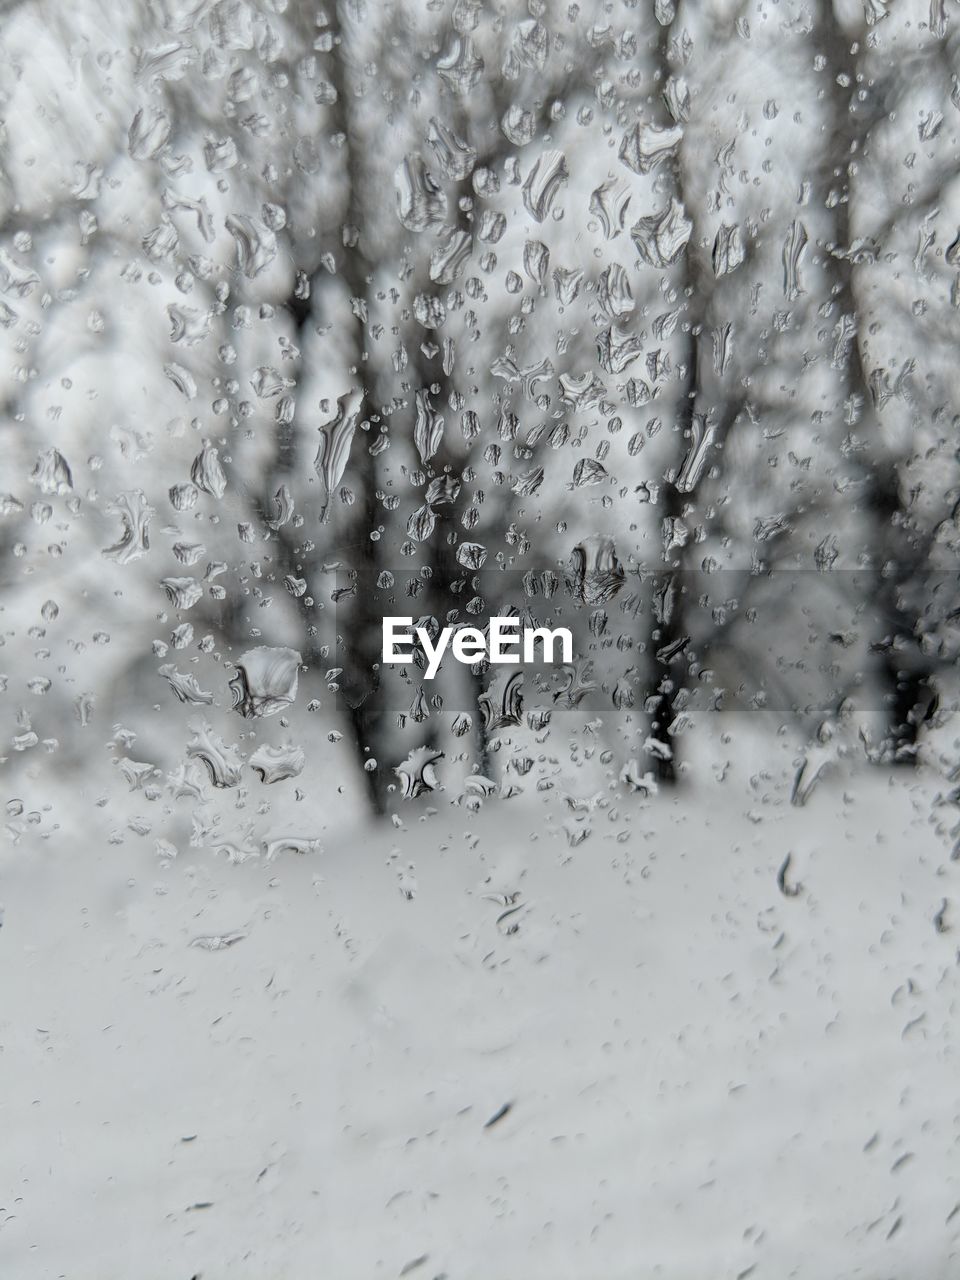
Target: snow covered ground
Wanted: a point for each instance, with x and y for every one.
(515, 1059)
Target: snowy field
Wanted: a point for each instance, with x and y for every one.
(471, 1049)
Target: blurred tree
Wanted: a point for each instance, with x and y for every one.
(549, 308)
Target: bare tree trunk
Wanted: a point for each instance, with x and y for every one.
(354, 546)
(905, 687)
(666, 634)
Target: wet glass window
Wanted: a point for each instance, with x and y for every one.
(479, 621)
